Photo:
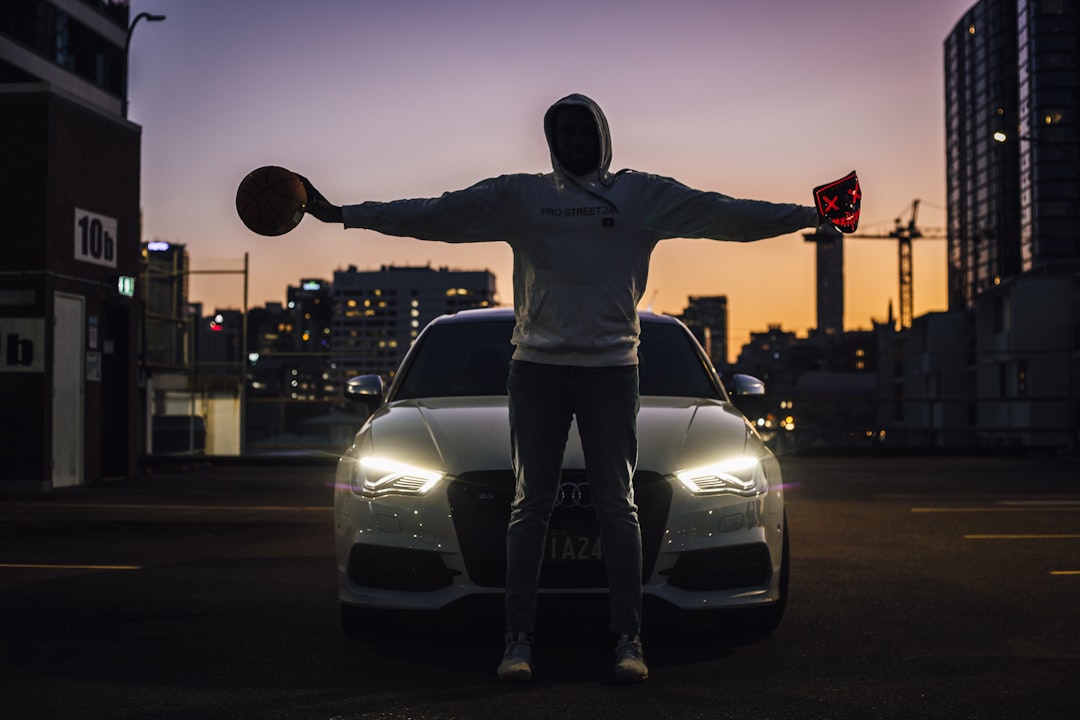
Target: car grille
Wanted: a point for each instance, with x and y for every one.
(480, 508)
(398, 569)
(723, 568)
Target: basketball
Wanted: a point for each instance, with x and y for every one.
(270, 200)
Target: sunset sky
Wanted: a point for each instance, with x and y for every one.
(386, 99)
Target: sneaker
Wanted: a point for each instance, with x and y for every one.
(516, 665)
(630, 664)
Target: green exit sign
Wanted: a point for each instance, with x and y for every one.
(126, 285)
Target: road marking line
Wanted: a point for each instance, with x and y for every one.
(133, 506)
(37, 566)
(1026, 508)
(1040, 503)
(1065, 572)
(999, 498)
(1062, 536)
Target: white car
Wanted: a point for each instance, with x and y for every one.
(422, 497)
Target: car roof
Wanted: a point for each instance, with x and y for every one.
(494, 314)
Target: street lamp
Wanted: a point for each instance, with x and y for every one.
(150, 17)
(1059, 145)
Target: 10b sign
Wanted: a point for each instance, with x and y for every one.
(95, 238)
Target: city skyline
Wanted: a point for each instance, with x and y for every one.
(379, 101)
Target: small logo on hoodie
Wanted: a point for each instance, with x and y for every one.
(606, 212)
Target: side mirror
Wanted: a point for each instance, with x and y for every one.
(746, 385)
(366, 389)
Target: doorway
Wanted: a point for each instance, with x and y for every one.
(68, 383)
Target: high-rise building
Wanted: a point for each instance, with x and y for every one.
(982, 177)
(1048, 114)
(829, 273)
(163, 288)
(1012, 94)
(706, 316)
(767, 352)
(378, 313)
(310, 368)
(1000, 368)
(311, 304)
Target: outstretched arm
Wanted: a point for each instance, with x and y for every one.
(479, 213)
(681, 211)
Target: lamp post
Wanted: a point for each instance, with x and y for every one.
(1060, 146)
(150, 17)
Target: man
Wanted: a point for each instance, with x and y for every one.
(582, 239)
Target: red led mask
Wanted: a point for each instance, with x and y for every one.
(839, 202)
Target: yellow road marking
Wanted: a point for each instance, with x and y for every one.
(1065, 572)
(1029, 508)
(37, 566)
(1061, 536)
(131, 506)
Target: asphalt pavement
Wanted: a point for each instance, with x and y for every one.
(922, 587)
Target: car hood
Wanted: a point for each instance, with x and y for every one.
(457, 435)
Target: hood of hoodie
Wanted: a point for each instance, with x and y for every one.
(602, 130)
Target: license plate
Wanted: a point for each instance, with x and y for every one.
(570, 546)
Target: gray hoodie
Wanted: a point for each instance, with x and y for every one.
(581, 243)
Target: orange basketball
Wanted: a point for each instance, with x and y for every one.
(271, 200)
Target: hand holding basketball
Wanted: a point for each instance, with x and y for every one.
(318, 206)
(271, 200)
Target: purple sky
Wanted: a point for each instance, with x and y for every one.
(377, 100)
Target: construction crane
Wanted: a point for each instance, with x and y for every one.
(904, 234)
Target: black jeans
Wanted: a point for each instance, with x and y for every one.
(543, 400)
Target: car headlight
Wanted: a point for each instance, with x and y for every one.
(738, 476)
(374, 476)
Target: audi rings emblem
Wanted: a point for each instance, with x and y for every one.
(572, 494)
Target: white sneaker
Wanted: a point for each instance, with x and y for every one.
(630, 664)
(516, 665)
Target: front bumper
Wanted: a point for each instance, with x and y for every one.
(425, 553)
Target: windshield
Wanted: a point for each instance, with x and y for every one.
(470, 359)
